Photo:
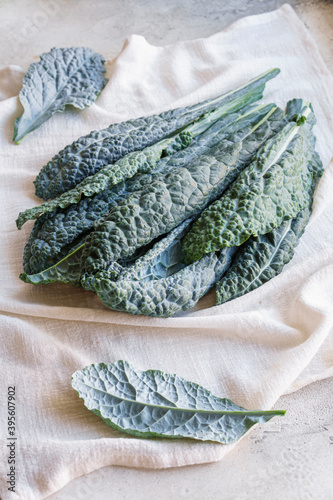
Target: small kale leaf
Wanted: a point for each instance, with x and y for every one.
(153, 403)
(62, 76)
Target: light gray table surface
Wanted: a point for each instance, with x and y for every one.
(289, 458)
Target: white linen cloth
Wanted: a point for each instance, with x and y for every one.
(252, 350)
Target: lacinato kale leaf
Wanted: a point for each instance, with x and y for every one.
(261, 258)
(274, 188)
(90, 153)
(63, 76)
(164, 297)
(160, 261)
(157, 404)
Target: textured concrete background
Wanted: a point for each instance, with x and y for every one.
(39, 25)
(289, 458)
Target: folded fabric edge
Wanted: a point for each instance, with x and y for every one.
(286, 12)
(296, 386)
(150, 457)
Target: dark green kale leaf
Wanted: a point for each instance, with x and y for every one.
(144, 161)
(90, 153)
(176, 195)
(53, 234)
(261, 259)
(274, 188)
(163, 297)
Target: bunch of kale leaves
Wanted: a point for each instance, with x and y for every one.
(151, 213)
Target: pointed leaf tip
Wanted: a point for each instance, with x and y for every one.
(158, 404)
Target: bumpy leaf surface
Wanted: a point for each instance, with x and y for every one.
(176, 195)
(163, 297)
(67, 270)
(110, 175)
(274, 188)
(158, 283)
(144, 161)
(157, 404)
(90, 153)
(161, 261)
(53, 234)
(261, 259)
(63, 76)
(51, 241)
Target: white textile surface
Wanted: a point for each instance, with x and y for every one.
(252, 350)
